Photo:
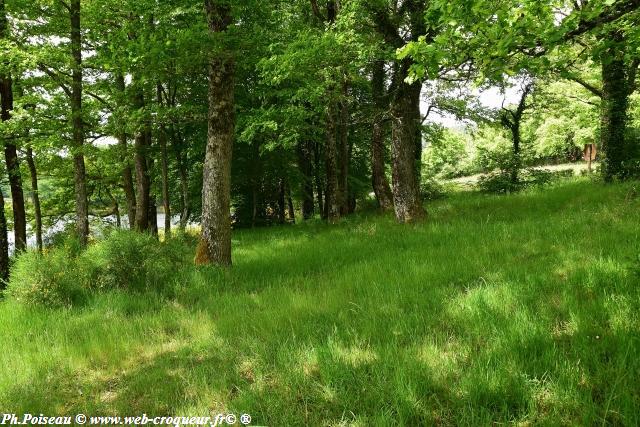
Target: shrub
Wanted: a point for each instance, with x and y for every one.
(132, 261)
(501, 183)
(125, 260)
(431, 189)
(47, 279)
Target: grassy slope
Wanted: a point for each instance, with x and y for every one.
(516, 308)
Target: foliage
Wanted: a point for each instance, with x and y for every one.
(49, 279)
(66, 275)
(447, 155)
(500, 182)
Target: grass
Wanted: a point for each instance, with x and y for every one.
(517, 309)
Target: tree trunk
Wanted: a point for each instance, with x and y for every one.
(343, 152)
(281, 202)
(153, 207)
(406, 138)
(35, 197)
(517, 161)
(381, 186)
(143, 182)
(127, 175)
(80, 178)
(319, 183)
(215, 246)
(15, 178)
(166, 202)
(4, 244)
(185, 211)
(10, 151)
(291, 210)
(331, 159)
(4, 238)
(615, 104)
(306, 169)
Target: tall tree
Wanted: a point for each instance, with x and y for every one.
(10, 149)
(215, 245)
(511, 119)
(381, 186)
(4, 245)
(398, 24)
(80, 178)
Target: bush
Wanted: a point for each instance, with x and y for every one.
(46, 279)
(431, 189)
(501, 183)
(132, 261)
(125, 260)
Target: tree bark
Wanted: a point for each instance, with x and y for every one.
(127, 175)
(215, 245)
(306, 169)
(615, 105)
(319, 183)
(4, 238)
(4, 245)
(166, 201)
(343, 152)
(331, 163)
(143, 182)
(380, 183)
(281, 202)
(512, 120)
(10, 150)
(152, 213)
(291, 211)
(406, 138)
(80, 178)
(35, 197)
(185, 210)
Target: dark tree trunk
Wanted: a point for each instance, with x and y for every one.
(80, 176)
(166, 201)
(215, 246)
(153, 207)
(615, 105)
(332, 195)
(344, 152)
(143, 181)
(185, 211)
(381, 186)
(35, 197)
(4, 244)
(306, 169)
(153, 216)
(291, 210)
(517, 159)
(319, 183)
(10, 151)
(512, 120)
(4, 238)
(281, 202)
(127, 175)
(15, 178)
(406, 138)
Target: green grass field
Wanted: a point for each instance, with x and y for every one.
(499, 309)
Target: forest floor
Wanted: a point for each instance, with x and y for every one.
(522, 308)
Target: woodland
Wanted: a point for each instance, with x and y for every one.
(321, 212)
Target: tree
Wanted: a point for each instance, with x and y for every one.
(511, 119)
(501, 39)
(10, 149)
(215, 245)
